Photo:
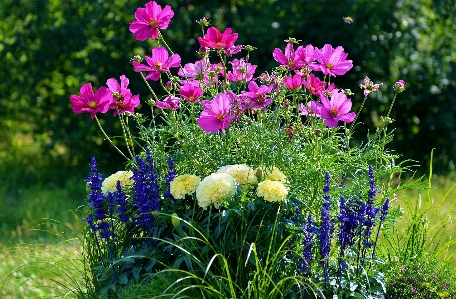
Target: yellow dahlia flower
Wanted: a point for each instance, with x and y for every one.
(273, 174)
(214, 188)
(110, 183)
(272, 190)
(183, 185)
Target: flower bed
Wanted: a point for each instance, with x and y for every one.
(238, 185)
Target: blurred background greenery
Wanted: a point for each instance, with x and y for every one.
(49, 48)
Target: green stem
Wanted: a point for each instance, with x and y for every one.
(109, 139)
(150, 88)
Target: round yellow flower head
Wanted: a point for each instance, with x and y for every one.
(273, 174)
(214, 188)
(272, 190)
(110, 183)
(183, 185)
(243, 174)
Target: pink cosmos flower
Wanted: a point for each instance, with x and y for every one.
(331, 61)
(314, 85)
(257, 96)
(399, 86)
(217, 116)
(158, 63)
(336, 109)
(242, 71)
(215, 40)
(170, 103)
(191, 92)
(123, 100)
(91, 102)
(149, 20)
(198, 71)
(310, 109)
(291, 58)
(369, 86)
(293, 83)
(233, 50)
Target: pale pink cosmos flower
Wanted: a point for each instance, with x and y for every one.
(399, 86)
(233, 50)
(191, 92)
(160, 62)
(336, 109)
(91, 102)
(214, 39)
(218, 115)
(123, 100)
(149, 20)
(369, 86)
(293, 83)
(331, 61)
(291, 58)
(310, 109)
(198, 71)
(242, 71)
(170, 103)
(257, 96)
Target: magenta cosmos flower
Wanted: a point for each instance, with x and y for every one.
(123, 100)
(331, 61)
(149, 20)
(336, 109)
(294, 59)
(216, 114)
(257, 96)
(293, 83)
(191, 92)
(310, 109)
(158, 63)
(215, 40)
(91, 102)
(170, 103)
(242, 71)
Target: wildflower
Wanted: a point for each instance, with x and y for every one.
(314, 85)
(385, 208)
(325, 228)
(198, 71)
(310, 109)
(233, 50)
(170, 103)
(331, 61)
(215, 40)
(214, 188)
(291, 59)
(336, 109)
(272, 190)
(369, 86)
(149, 20)
(91, 102)
(217, 116)
(294, 83)
(185, 184)
(169, 177)
(399, 86)
(123, 100)
(110, 183)
(122, 210)
(242, 71)
(257, 96)
(243, 174)
(307, 244)
(159, 62)
(191, 92)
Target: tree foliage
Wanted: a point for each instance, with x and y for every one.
(49, 48)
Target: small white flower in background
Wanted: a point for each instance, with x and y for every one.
(182, 185)
(272, 190)
(214, 188)
(243, 174)
(110, 183)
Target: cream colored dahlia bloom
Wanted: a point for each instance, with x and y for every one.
(272, 174)
(272, 190)
(214, 188)
(243, 174)
(182, 185)
(110, 183)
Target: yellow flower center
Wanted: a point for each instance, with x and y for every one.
(220, 116)
(158, 65)
(329, 66)
(333, 112)
(152, 23)
(93, 105)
